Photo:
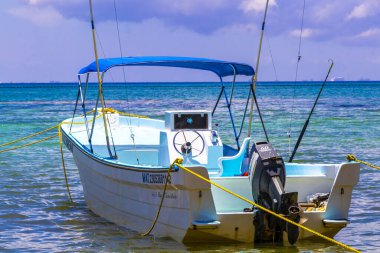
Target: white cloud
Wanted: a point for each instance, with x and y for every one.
(307, 32)
(188, 7)
(45, 16)
(364, 10)
(52, 2)
(372, 32)
(256, 5)
(239, 28)
(324, 12)
(326, 19)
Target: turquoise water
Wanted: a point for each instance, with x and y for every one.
(36, 216)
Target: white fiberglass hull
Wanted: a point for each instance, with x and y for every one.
(193, 210)
(131, 198)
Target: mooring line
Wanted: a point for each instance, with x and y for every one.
(352, 158)
(106, 110)
(28, 144)
(29, 136)
(167, 180)
(63, 162)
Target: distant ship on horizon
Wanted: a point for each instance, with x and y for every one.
(337, 79)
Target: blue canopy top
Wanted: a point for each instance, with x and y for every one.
(221, 68)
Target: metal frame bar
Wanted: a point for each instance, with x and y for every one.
(217, 101)
(94, 116)
(245, 114)
(230, 113)
(233, 83)
(83, 97)
(76, 105)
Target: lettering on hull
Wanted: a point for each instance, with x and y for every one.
(167, 195)
(150, 178)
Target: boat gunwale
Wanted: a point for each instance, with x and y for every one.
(123, 166)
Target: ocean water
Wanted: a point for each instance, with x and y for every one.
(35, 212)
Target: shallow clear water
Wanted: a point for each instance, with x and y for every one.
(35, 212)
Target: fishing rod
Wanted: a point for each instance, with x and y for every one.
(311, 112)
(254, 78)
(296, 76)
(100, 81)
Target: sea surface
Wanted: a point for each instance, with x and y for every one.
(35, 212)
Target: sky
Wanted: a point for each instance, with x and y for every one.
(50, 40)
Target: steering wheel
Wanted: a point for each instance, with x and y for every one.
(188, 143)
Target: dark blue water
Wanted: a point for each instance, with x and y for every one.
(36, 216)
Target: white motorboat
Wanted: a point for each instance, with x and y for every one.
(123, 162)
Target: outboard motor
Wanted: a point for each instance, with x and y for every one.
(267, 177)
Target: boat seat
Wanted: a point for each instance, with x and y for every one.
(231, 165)
(139, 156)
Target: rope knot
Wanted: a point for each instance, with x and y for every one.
(109, 110)
(351, 157)
(178, 160)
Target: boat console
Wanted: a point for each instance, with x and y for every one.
(190, 136)
(188, 120)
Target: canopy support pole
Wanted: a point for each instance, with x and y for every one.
(217, 101)
(93, 121)
(245, 113)
(258, 111)
(233, 84)
(76, 105)
(83, 97)
(230, 113)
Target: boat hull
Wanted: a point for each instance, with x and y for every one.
(131, 197)
(192, 210)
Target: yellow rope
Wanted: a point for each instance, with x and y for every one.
(64, 166)
(352, 158)
(33, 135)
(178, 163)
(61, 150)
(162, 201)
(27, 137)
(63, 162)
(38, 141)
(105, 110)
(29, 144)
(109, 110)
(58, 126)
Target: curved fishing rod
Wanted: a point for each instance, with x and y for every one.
(311, 112)
(254, 78)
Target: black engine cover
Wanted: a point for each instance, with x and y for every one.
(264, 164)
(267, 177)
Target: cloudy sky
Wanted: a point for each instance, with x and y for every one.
(49, 40)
